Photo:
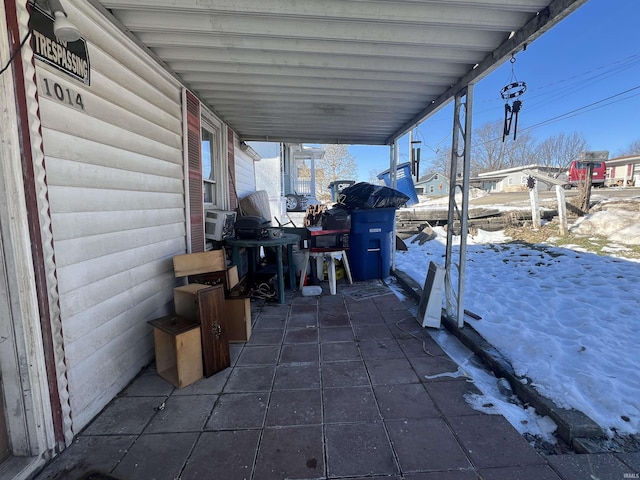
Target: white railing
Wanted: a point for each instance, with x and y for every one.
(302, 186)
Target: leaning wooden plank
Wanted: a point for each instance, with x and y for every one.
(194, 263)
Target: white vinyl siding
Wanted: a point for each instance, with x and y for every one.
(245, 175)
(115, 178)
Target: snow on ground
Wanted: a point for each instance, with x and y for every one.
(443, 201)
(566, 319)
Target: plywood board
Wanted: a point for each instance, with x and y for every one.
(238, 316)
(195, 263)
(232, 277)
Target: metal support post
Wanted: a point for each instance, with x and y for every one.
(393, 162)
(460, 153)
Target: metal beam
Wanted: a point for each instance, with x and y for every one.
(224, 81)
(317, 28)
(331, 104)
(201, 71)
(221, 40)
(473, 15)
(323, 62)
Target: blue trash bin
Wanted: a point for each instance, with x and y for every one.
(337, 186)
(404, 181)
(370, 243)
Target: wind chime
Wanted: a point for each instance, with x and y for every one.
(510, 93)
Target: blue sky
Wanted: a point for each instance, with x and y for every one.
(576, 76)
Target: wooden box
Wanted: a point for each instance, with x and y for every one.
(228, 278)
(205, 305)
(210, 279)
(195, 263)
(232, 277)
(178, 348)
(238, 313)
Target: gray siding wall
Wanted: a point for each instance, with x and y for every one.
(116, 191)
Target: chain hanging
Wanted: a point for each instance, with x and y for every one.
(510, 92)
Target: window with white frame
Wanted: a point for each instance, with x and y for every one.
(209, 159)
(211, 164)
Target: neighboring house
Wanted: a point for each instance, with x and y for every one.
(623, 171)
(434, 185)
(515, 179)
(295, 172)
(105, 177)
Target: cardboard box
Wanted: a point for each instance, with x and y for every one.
(238, 313)
(178, 347)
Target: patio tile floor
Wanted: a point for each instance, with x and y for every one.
(327, 388)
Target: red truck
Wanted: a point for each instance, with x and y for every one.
(578, 170)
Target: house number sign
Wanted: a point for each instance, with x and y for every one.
(60, 93)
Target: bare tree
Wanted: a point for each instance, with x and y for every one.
(440, 164)
(488, 151)
(632, 149)
(521, 151)
(336, 164)
(373, 178)
(559, 150)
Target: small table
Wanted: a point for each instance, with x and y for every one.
(287, 239)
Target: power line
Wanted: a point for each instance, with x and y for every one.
(575, 112)
(572, 84)
(579, 110)
(13, 55)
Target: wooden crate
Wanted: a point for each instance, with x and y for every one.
(205, 305)
(185, 300)
(238, 313)
(211, 279)
(232, 277)
(178, 348)
(195, 263)
(228, 278)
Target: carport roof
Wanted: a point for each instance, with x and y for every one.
(332, 71)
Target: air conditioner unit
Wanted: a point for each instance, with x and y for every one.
(218, 224)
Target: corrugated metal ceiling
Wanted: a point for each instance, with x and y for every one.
(332, 71)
